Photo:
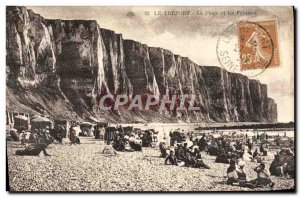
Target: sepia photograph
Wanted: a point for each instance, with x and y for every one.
(150, 99)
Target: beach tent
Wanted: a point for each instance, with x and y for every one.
(40, 123)
(99, 124)
(21, 121)
(110, 133)
(87, 128)
(62, 127)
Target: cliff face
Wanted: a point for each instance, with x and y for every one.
(64, 68)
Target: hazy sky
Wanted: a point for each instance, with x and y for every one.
(196, 36)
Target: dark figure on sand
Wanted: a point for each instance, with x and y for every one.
(40, 145)
(171, 159)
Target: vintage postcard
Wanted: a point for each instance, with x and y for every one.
(150, 99)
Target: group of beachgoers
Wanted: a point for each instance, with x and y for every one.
(235, 153)
(123, 142)
(183, 152)
(237, 175)
(35, 142)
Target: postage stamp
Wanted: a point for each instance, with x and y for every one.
(249, 47)
(258, 43)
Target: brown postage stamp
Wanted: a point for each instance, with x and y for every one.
(258, 43)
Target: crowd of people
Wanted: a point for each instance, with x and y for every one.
(235, 153)
(181, 151)
(35, 142)
(237, 175)
(185, 153)
(226, 150)
(130, 140)
(123, 142)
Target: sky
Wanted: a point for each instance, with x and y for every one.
(196, 36)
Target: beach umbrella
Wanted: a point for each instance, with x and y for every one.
(21, 117)
(86, 124)
(41, 119)
(21, 122)
(40, 123)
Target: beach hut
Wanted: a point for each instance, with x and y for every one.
(21, 121)
(99, 125)
(110, 133)
(40, 124)
(62, 126)
(87, 129)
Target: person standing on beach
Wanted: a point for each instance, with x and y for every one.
(101, 133)
(250, 144)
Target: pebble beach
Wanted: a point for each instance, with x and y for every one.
(84, 168)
